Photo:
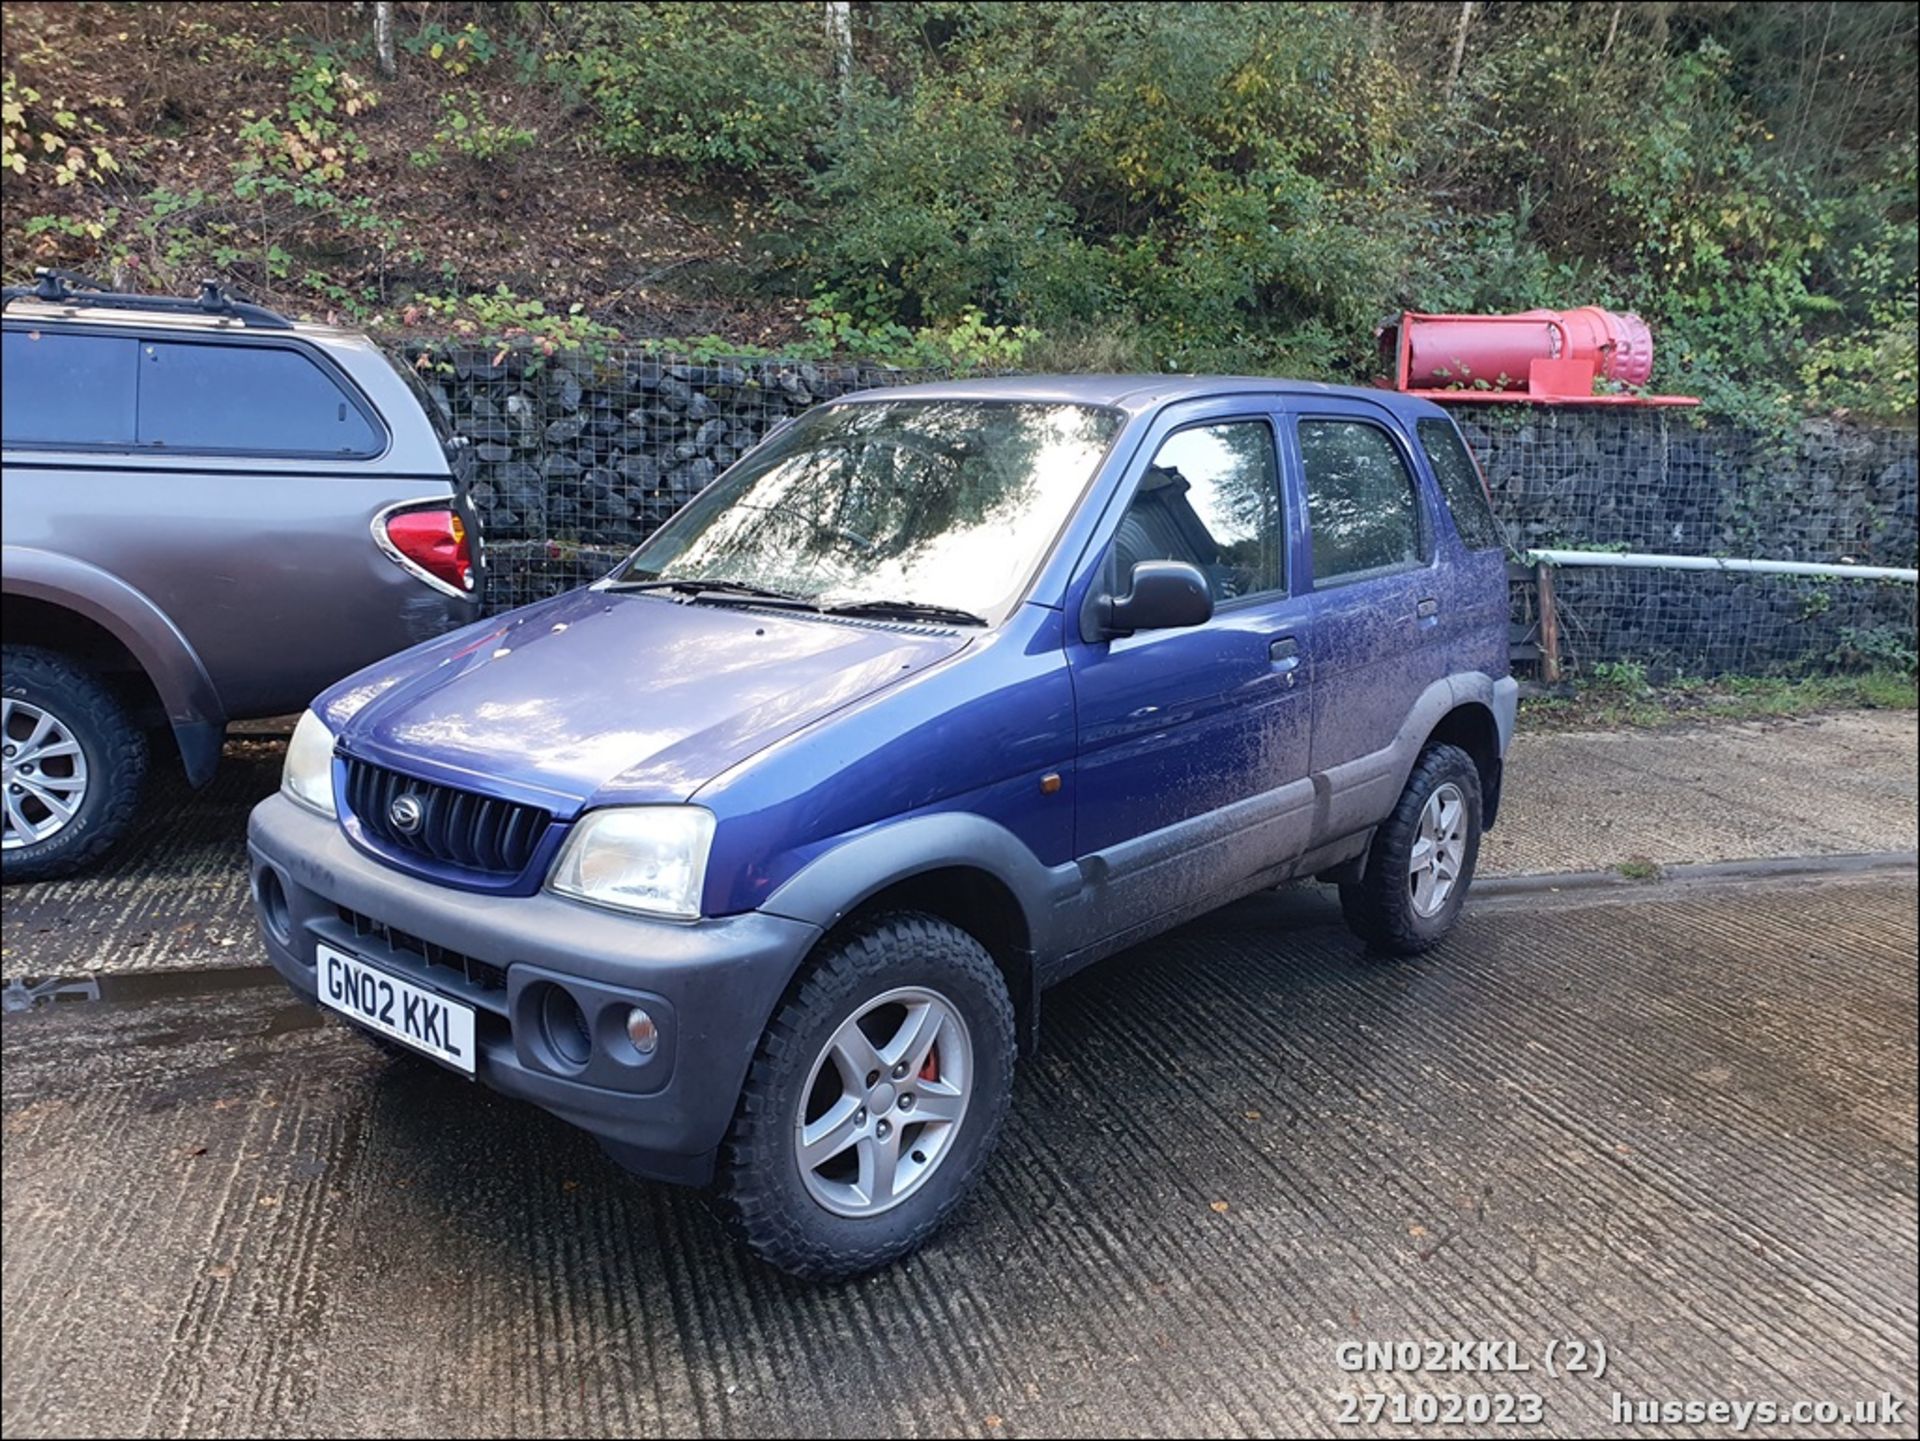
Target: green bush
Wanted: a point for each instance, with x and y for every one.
(731, 86)
(1059, 165)
(1222, 186)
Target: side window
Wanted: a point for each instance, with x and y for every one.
(1361, 502)
(255, 398)
(63, 389)
(1210, 498)
(1453, 466)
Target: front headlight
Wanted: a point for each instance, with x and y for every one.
(638, 858)
(308, 774)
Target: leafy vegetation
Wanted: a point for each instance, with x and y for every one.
(1204, 186)
(1619, 698)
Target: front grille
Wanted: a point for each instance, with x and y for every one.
(484, 974)
(461, 828)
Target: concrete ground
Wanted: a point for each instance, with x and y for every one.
(1825, 786)
(1679, 1120)
(175, 896)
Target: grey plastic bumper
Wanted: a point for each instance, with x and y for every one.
(710, 986)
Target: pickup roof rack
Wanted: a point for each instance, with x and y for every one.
(63, 287)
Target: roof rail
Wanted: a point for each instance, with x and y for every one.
(63, 287)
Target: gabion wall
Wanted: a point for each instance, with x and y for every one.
(1661, 481)
(581, 456)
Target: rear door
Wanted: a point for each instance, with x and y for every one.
(1193, 743)
(1374, 581)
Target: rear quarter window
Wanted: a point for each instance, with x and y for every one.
(59, 389)
(253, 399)
(1460, 482)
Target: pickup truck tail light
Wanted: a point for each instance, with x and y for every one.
(432, 544)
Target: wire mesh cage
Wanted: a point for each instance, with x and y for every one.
(1667, 484)
(1703, 624)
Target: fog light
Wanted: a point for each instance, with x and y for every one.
(642, 1031)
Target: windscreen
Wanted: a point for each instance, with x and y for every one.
(947, 503)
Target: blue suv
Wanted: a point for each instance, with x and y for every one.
(754, 858)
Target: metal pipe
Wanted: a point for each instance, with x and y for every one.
(1628, 560)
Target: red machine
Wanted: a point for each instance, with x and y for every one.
(1541, 357)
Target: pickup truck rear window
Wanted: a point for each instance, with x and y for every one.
(252, 399)
(58, 389)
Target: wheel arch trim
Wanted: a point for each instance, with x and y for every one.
(179, 678)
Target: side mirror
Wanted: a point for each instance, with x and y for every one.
(1163, 595)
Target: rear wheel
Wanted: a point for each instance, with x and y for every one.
(1422, 857)
(72, 765)
(873, 1101)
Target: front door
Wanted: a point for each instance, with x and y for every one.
(1194, 743)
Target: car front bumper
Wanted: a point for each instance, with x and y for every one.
(710, 985)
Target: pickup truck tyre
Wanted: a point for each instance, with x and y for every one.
(873, 1101)
(69, 747)
(1421, 861)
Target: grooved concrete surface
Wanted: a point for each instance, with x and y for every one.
(1681, 1121)
(175, 896)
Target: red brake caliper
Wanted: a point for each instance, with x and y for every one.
(931, 1070)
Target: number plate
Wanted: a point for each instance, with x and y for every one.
(383, 1002)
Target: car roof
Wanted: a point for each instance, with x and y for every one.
(1140, 394)
(185, 321)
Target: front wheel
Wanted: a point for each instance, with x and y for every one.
(73, 765)
(873, 1101)
(1422, 857)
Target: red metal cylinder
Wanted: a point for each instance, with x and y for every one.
(1443, 352)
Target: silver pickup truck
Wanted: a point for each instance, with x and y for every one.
(210, 514)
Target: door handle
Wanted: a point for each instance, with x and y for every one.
(1284, 652)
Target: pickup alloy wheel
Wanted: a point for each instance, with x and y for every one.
(44, 771)
(873, 1101)
(71, 764)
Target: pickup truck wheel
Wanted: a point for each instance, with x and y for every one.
(73, 765)
(1422, 857)
(873, 1101)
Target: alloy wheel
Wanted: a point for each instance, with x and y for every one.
(884, 1101)
(1439, 849)
(43, 774)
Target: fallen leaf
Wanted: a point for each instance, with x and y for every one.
(268, 1201)
(993, 1423)
(1220, 1208)
(1416, 1229)
(1251, 1115)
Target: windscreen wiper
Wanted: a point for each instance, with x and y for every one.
(905, 610)
(717, 590)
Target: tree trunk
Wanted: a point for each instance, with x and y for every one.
(840, 42)
(383, 37)
(1459, 47)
